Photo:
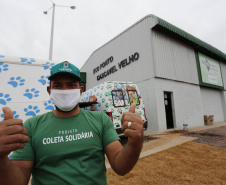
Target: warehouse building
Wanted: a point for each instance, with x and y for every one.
(180, 77)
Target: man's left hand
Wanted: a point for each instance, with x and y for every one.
(135, 132)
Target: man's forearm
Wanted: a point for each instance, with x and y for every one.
(123, 159)
(11, 174)
(126, 159)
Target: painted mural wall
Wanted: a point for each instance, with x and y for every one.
(23, 86)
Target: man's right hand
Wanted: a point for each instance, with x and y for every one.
(13, 135)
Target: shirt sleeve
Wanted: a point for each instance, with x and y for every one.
(109, 132)
(27, 152)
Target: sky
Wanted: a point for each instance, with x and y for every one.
(25, 30)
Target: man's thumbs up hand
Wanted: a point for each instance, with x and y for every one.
(132, 108)
(8, 114)
(132, 126)
(13, 135)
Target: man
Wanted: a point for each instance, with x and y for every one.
(67, 145)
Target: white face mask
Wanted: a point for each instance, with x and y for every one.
(65, 100)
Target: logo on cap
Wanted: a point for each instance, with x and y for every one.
(66, 64)
(66, 67)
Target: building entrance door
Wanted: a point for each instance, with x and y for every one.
(168, 109)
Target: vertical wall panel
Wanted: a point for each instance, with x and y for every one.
(193, 67)
(223, 72)
(163, 56)
(173, 59)
(181, 62)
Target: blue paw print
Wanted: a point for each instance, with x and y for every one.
(48, 65)
(15, 115)
(4, 98)
(49, 105)
(31, 111)
(16, 81)
(3, 67)
(28, 60)
(31, 93)
(44, 80)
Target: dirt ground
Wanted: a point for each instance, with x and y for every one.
(189, 163)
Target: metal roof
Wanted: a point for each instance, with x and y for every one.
(197, 43)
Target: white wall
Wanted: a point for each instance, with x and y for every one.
(223, 100)
(212, 103)
(187, 104)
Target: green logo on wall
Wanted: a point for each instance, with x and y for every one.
(210, 70)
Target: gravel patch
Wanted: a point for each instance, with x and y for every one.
(213, 137)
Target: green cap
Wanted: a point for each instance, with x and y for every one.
(65, 68)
